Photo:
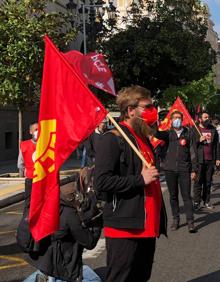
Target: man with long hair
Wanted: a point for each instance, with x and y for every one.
(134, 214)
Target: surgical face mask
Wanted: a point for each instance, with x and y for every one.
(177, 123)
(150, 115)
(35, 135)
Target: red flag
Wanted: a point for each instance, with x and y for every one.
(75, 59)
(93, 68)
(69, 113)
(166, 123)
(179, 106)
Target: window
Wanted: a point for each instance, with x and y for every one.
(8, 140)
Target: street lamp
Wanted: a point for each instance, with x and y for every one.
(96, 12)
(71, 6)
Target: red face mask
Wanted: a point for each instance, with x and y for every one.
(150, 115)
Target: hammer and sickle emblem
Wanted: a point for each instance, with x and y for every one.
(45, 150)
(165, 121)
(174, 110)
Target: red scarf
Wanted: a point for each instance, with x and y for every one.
(153, 200)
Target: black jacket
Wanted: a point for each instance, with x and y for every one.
(118, 177)
(179, 158)
(62, 257)
(199, 146)
(92, 143)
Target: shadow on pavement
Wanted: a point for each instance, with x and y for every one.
(216, 195)
(10, 249)
(212, 277)
(207, 219)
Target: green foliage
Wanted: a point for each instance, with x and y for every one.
(23, 25)
(197, 92)
(160, 45)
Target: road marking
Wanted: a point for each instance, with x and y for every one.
(10, 189)
(100, 247)
(14, 212)
(19, 262)
(7, 232)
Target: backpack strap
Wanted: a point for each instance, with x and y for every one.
(89, 172)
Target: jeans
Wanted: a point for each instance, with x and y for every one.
(84, 158)
(88, 276)
(33, 276)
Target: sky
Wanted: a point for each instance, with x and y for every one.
(214, 6)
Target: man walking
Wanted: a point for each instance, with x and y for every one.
(134, 215)
(178, 167)
(207, 156)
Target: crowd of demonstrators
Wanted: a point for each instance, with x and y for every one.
(179, 168)
(207, 156)
(134, 214)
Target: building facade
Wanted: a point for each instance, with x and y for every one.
(9, 131)
(212, 37)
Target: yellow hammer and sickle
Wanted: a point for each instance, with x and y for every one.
(45, 149)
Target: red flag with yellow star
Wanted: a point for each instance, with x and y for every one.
(69, 113)
(166, 123)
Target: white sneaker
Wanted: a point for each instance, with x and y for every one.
(213, 188)
(209, 206)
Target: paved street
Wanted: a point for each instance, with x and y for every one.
(183, 257)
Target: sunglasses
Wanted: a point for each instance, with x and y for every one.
(147, 106)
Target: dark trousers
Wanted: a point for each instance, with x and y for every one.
(202, 185)
(174, 181)
(27, 192)
(129, 260)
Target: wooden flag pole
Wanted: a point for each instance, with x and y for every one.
(128, 140)
(197, 128)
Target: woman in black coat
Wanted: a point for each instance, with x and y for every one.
(60, 256)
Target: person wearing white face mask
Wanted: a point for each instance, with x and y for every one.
(26, 159)
(179, 164)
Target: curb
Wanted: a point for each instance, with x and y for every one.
(11, 200)
(20, 196)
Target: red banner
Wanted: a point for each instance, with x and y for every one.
(93, 70)
(69, 113)
(166, 123)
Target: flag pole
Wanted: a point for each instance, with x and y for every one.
(128, 140)
(180, 101)
(197, 128)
